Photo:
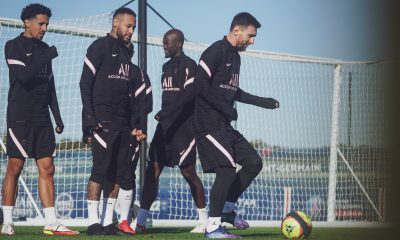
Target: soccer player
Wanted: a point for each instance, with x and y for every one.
(109, 116)
(173, 143)
(30, 131)
(221, 148)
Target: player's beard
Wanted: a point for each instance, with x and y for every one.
(125, 37)
(242, 47)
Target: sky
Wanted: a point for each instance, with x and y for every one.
(350, 30)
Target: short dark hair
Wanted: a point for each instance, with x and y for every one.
(178, 33)
(34, 9)
(244, 19)
(123, 10)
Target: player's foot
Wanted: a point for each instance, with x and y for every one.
(112, 229)
(201, 228)
(58, 229)
(125, 228)
(140, 229)
(7, 229)
(95, 229)
(220, 232)
(234, 219)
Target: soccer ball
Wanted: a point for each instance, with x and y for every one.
(296, 225)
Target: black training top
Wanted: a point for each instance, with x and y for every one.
(217, 88)
(178, 96)
(32, 89)
(112, 88)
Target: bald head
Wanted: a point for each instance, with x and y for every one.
(173, 42)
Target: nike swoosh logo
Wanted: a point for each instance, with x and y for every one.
(181, 152)
(228, 64)
(28, 54)
(114, 55)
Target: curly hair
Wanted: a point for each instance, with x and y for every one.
(34, 9)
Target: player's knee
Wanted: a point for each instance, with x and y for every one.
(253, 165)
(97, 178)
(188, 173)
(14, 170)
(47, 171)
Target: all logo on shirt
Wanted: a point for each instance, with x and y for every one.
(123, 72)
(44, 73)
(167, 85)
(233, 83)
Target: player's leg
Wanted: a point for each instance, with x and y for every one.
(187, 164)
(216, 155)
(197, 191)
(224, 177)
(19, 148)
(251, 163)
(126, 179)
(118, 148)
(101, 151)
(152, 177)
(14, 168)
(44, 144)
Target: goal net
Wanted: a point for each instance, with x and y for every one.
(323, 150)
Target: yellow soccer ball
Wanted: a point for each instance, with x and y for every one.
(296, 225)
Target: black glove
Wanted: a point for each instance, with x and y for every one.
(272, 103)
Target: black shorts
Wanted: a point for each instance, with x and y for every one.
(223, 148)
(172, 150)
(31, 142)
(113, 155)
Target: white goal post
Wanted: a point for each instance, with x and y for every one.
(323, 150)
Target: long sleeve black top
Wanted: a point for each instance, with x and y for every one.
(178, 96)
(32, 89)
(111, 87)
(217, 88)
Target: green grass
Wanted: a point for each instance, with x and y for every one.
(252, 233)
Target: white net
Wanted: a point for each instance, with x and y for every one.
(294, 141)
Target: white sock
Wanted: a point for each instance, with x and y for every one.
(124, 200)
(93, 211)
(229, 207)
(50, 215)
(203, 216)
(213, 223)
(8, 212)
(107, 211)
(142, 216)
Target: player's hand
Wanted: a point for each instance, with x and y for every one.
(59, 129)
(140, 136)
(87, 139)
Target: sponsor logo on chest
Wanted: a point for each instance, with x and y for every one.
(233, 83)
(167, 85)
(123, 72)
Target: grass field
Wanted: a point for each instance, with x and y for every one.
(252, 233)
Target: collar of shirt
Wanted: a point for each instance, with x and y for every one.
(229, 46)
